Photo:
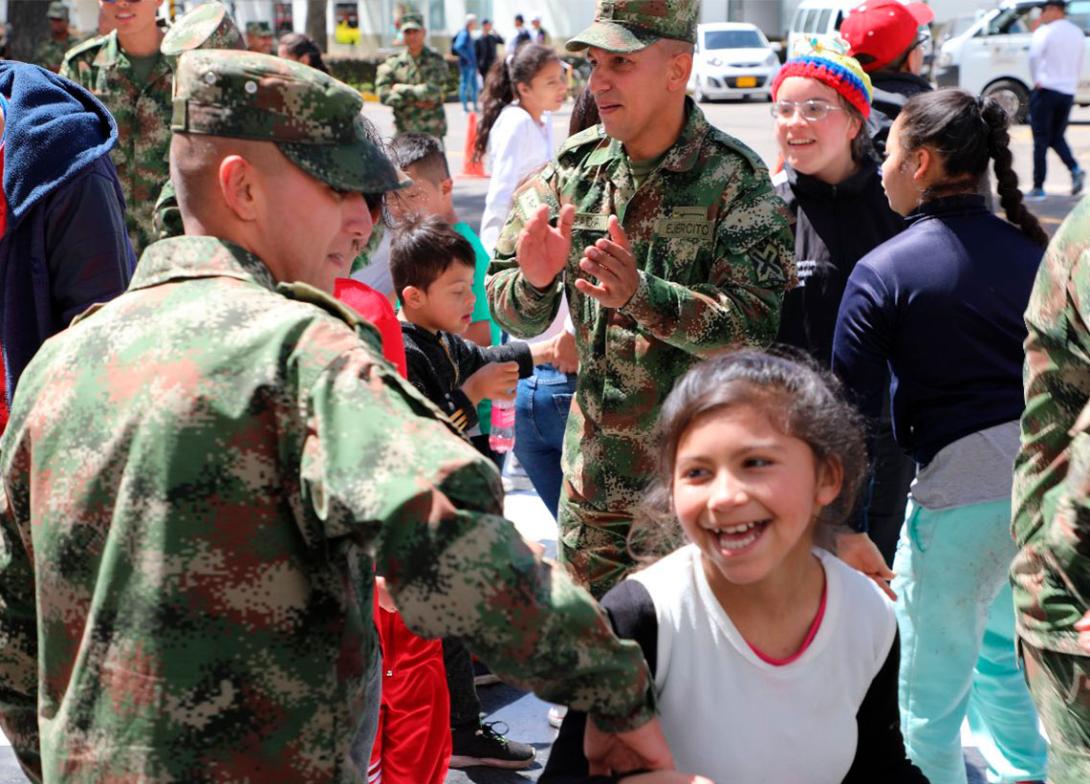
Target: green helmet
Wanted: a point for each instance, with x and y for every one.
(631, 25)
(312, 118)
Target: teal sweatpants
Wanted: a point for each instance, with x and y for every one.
(958, 657)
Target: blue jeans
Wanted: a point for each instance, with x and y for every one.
(1049, 112)
(541, 414)
(958, 657)
(467, 85)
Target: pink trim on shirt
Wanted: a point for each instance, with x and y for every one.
(810, 635)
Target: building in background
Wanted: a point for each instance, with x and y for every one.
(367, 27)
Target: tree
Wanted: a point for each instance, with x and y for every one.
(29, 27)
(316, 22)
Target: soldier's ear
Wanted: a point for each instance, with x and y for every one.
(236, 181)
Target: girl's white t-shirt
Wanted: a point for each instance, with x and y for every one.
(517, 146)
(731, 716)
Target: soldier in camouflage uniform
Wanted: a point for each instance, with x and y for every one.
(50, 53)
(692, 254)
(200, 477)
(259, 37)
(208, 26)
(413, 83)
(1051, 574)
(126, 71)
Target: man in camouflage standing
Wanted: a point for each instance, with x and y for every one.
(50, 53)
(200, 477)
(413, 83)
(126, 71)
(259, 37)
(667, 239)
(1051, 503)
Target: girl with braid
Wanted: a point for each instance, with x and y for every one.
(940, 305)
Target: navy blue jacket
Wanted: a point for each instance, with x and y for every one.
(941, 304)
(65, 246)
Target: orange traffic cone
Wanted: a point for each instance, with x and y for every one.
(472, 166)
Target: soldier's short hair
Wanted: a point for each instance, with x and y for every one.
(423, 248)
(424, 153)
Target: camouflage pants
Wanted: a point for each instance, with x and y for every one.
(593, 545)
(1060, 685)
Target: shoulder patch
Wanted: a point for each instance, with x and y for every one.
(86, 46)
(738, 147)
(303, 292)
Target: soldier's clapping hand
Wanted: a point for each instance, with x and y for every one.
(543, 250)
(612, 263)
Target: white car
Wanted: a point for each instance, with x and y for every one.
(991, 57)
(733, 60)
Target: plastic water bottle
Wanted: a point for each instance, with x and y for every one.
(502, 437)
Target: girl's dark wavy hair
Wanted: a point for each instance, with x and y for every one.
(303, 47)
(800, 399)
(966, 131)
(500, 86)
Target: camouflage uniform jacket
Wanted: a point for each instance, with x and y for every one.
(1051, 574)
(415, 89)
(198, 481)
(714, 249)
(50, 53)
(143, 115)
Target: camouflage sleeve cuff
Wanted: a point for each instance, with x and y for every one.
(642, 714)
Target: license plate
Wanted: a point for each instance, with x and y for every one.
(747, 81)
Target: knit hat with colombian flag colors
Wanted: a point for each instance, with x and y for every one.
(827, 60)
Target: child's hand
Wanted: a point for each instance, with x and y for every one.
(858, 551)
(643, 748)
(495, 381)
(385, 600)
(665, 777)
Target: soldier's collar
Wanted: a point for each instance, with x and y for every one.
(111, 49)
(182, 258)
(682, 156)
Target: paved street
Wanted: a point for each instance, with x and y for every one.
(524, 714)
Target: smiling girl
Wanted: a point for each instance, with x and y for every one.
(773, 661)
(831, 184)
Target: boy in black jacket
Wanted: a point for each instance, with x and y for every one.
(432, 268)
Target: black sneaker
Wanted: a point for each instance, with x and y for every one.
(484, 746)
(1078, 179)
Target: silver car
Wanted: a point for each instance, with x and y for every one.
(733, 60)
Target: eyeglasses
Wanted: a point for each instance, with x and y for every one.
(813, 110)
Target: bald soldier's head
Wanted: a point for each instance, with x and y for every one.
(273, 156)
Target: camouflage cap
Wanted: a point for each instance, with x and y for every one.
(208, 26)
(57, 11)
(263, 29)
(412, 22)
(631, 25)
(315, 120)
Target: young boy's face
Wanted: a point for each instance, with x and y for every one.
(423, 197)
(448, 302)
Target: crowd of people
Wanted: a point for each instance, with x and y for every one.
(251, 518)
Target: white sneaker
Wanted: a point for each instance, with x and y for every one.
(556, 715)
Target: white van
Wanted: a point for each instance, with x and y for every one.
(992, 56)
(817, 19)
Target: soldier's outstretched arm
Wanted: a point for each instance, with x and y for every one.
(740, 304)
(18, 615)
(520, 307)
(378, 464)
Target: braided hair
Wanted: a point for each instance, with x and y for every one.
(966, 132)
(501, 86)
